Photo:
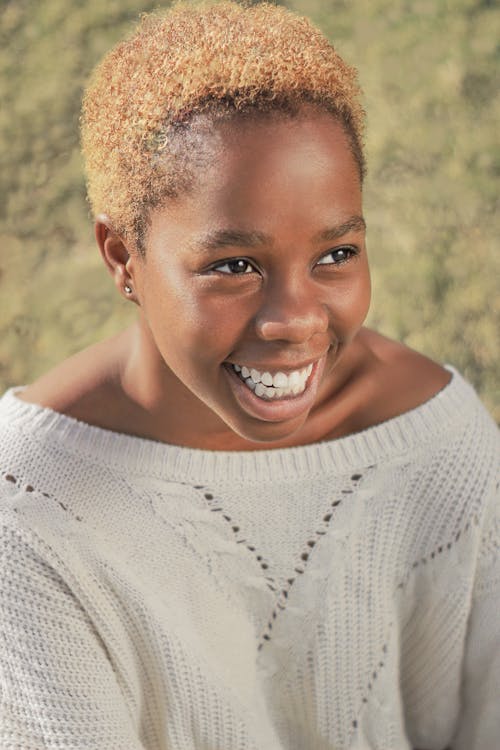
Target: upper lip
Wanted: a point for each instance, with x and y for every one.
(271, 367)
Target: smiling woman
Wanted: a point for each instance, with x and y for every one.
(247, 520)
(233, 274)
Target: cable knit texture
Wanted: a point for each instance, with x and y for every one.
(339, 595)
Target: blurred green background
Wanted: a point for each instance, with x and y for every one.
(429, 71)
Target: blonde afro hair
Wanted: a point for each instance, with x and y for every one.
(218, 58)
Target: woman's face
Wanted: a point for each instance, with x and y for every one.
(255, 284)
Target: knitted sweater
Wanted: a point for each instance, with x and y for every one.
(344, 594)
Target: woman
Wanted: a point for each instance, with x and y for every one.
(247, 521)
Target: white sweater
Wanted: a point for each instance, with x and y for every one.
(344, 594)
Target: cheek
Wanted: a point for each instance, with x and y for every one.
(190, 326)
(169, 303)
(351, 304)
(364, 295)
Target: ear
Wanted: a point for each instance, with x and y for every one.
(116, 256)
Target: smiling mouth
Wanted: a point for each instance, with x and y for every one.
(273, 386)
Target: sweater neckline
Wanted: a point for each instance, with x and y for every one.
(135, 455)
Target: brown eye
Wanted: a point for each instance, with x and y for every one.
(237, 266)
(337, 256)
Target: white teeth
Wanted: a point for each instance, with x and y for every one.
(271, 386)
(255, 375)
(280, 380)
(260, 389)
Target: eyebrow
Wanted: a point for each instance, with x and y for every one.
(353, 224)
(220, 238)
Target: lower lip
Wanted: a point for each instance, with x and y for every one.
(280, 409)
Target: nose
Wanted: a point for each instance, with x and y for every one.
(292, 313)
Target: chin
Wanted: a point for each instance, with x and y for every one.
(265, 434)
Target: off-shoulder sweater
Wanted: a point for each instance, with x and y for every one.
(343, 594)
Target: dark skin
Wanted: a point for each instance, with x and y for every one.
(288, 288)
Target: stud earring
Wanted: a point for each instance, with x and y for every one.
(128, 289)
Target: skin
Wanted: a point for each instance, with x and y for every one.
(301, 299)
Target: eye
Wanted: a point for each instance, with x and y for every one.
(235, 266)
(338, 255)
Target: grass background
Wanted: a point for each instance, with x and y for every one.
(429, 71)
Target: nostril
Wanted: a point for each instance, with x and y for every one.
(293, 329)
(292, 315)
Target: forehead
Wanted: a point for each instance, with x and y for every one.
(266, 174)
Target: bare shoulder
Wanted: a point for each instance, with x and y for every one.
(404, 361)
(84, 386)
(406, 377)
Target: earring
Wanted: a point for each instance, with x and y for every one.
(128, 289)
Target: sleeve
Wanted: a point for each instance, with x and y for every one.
(57, 685)
(479, 725)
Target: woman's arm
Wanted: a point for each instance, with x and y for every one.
(479, 725)
(57, 685)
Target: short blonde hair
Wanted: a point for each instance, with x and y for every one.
(221, 58)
